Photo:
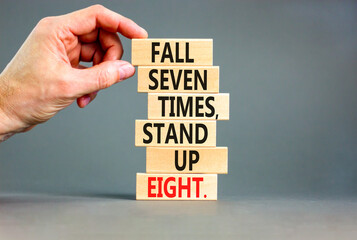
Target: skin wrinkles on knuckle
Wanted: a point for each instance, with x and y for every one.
(45, 21)
(53, 33)
(69, 40)
(47, 25)
(58, 31)
(104, 78)
(108, 76)
(98, 7)
(96, 11)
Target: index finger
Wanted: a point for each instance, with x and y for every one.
(86, 20)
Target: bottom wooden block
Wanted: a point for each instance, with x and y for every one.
(176, 186)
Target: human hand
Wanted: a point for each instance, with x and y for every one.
(45, 76)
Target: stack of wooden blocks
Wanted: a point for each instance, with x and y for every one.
(182, 160)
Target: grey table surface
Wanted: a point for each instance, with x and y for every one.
(29, 216)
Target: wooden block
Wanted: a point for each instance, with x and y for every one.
(175, 133)
(186, 79)
(188, 106)
(149, 52)
(176, 186)
(187, 160)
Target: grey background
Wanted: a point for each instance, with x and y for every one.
(290, 67)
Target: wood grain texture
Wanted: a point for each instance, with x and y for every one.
(173, 133)
(200, 160)
(200, 50)
(185, 79)
(172, 186)
(188, 106)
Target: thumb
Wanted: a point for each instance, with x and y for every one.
(103, 75)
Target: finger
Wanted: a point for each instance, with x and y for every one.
(88, 50)
(87, 20)
(83, 101)
(91, 52)
(74, 55)
(111, 45)
(89, 37)
(100, 76)
(93, 95)
(108, 41)
(86, 99)
(98, 57)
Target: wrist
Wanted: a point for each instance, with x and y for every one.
(5, 126)
(8, 125)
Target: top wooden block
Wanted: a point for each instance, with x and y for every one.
(165, 52)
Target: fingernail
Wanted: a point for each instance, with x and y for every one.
(93, 95)
(126, 71)
(86, 100)
(145, 32)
